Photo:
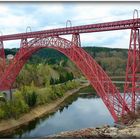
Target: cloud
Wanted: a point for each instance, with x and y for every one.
(12, 44)
(3, 9)
(15, 17)
(104, 12)
(51, 8)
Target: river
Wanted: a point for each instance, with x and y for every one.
(81, 110)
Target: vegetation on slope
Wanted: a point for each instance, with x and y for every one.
(49, 74)
(27, 97)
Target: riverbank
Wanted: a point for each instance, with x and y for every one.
(8, 126)
(131, 131)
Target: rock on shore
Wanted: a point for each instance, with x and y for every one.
(132, 131)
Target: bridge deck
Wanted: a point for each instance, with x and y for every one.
(107, 26)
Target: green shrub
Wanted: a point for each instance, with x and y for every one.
(2, 113)
(18, 107)
(72, 84)
(58, 90)
(13, 108)
(42, 97)
(30, 95)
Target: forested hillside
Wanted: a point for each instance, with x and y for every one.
(113, 61)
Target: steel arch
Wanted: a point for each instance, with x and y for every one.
(92, 71)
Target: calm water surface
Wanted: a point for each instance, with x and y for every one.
(81, 110)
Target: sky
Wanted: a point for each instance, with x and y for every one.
(17, 17)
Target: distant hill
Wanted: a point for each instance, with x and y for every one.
(94, 51)
(54, 54)
(112, 60)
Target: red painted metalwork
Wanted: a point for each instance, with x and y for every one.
(2, 58)
(108, 26)
(94, 73)
(132, 81)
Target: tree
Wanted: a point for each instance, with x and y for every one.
(30, 95)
